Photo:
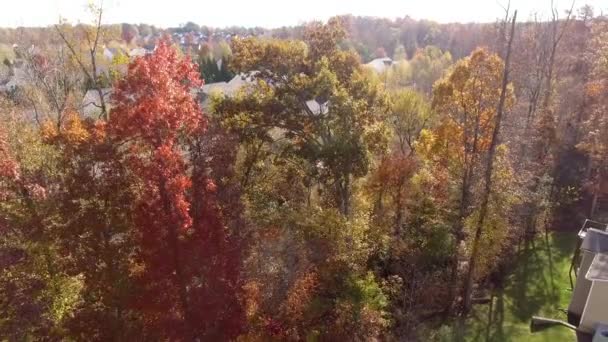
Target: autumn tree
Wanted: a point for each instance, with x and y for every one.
(128, 32)
(545, 146)
(36, 292)
(317, 96)
(185, 281)
(494, 143)
(308, 125)
(427, 66)
(408, 115)
(94, 227)
(399, 54)
(51, 83)
(466, 101)
(85, 43)
(593, 142)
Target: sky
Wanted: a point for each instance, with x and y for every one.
(268, 13)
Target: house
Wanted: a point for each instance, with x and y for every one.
(138, 52)
(588, 308)
(380, 64)
(109, 53)
(17, 77)
(229, 88)
(91, 103)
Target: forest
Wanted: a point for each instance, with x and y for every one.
(322, 201)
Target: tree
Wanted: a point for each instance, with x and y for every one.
(466, 101)
(212, 70)
(545, 145)
(36, 294)
(191, 27)
(128, 32)
(427, 66)
(380, 53)
(88, 39)
(594, 143)
(399, 54)
(186, 283)
(318, 96)
(489, 169)
(52, 86)
(94, 227)
(398, 76)
(307, 128)
(209, 70)
(408, 115)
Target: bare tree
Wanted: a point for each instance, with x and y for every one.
(50, 83)
(89, 64)
(557, 33)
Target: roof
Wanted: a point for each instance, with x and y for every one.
(598, 271)
(380, 64)
(209, 88)
(228, 88)
(595, 241)
(316, 108)
(19, 78)
(138, 52)
(91, 104)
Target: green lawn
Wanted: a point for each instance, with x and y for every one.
(538, 286)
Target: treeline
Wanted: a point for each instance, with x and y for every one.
(323, 201)
(371, 37)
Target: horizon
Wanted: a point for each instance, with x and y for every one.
(251, 15)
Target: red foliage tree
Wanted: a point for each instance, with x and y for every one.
(8, 166)
(187, 275)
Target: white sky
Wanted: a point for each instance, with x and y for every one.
(268, 13)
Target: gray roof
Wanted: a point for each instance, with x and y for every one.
(598, 271)
(138, 52)
(595, 241)
(19, 78)
(228, 88)
(239, 81)
(317, 108)
(91, 104)
(380, 64)
(209, 88)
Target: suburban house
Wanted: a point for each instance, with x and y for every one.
(588, 308)
(231, 88)
(91, 102)
(380, 64)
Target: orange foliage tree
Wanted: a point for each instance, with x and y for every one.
(188, 286)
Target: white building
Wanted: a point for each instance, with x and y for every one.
(588, 309)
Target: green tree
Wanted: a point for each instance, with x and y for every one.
(428, 65)
(400, 54)
(308, 127)
(409, 113)
(313, 96)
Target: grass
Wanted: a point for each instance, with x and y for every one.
(539, 285)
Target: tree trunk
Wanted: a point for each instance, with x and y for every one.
(488, 175)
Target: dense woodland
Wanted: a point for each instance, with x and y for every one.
(383, 212)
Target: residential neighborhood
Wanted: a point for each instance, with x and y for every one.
(311, 171)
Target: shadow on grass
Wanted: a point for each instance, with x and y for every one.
(538, 285)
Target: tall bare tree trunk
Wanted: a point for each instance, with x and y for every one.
(468, 289)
